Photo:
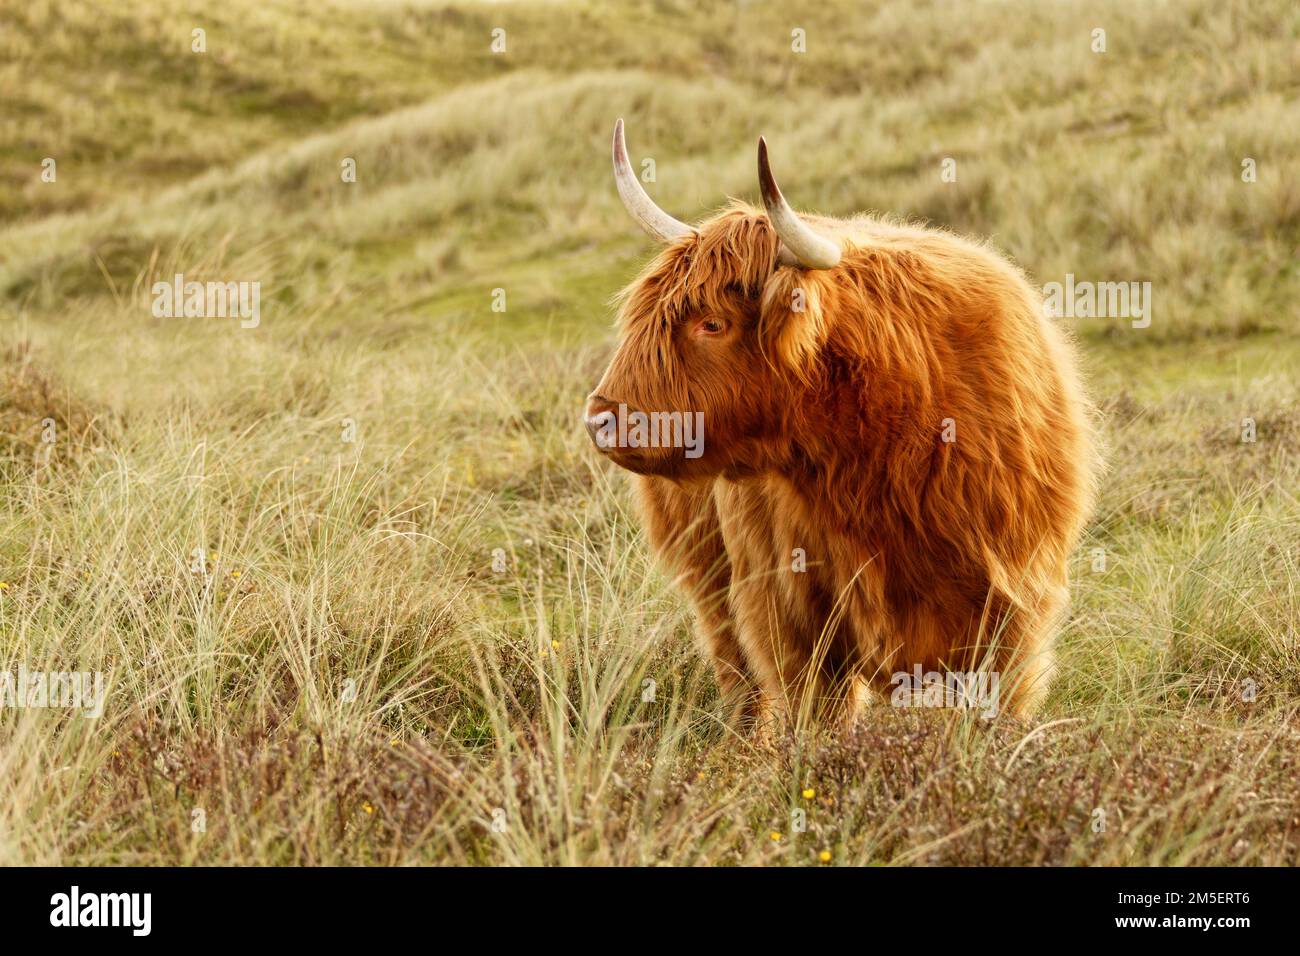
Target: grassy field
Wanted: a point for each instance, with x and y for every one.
(432, 643)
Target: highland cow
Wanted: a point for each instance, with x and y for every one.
(897, 456)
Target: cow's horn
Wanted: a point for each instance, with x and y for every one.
(799, 245)
(649, 217)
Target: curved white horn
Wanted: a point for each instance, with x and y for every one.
(649, 217)
(800, 245)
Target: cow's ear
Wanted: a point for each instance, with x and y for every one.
(793, 324)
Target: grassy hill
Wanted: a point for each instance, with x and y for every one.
(344, 675)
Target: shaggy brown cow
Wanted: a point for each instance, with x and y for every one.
(897, 455)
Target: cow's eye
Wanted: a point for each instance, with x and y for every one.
(709, 327)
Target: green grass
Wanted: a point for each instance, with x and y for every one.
(354, 681)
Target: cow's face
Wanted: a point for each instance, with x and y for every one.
(717, 338)
(689, 392)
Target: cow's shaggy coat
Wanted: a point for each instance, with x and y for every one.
(898, 457)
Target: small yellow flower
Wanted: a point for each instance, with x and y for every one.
(824, 856)
(392, 743)
(4, 585)
(555, 645)
(776, 836)
(809, 793)
(235, 574)
(368, 808)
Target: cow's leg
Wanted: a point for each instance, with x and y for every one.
(1025, 655)
(794, 643)
(683, 527)
(807, 666)
(997, 636)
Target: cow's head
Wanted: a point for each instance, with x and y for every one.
(720, 335)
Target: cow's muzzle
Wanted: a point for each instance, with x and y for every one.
(601, 419)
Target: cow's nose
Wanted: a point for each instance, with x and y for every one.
(597, 428)
(601, 416)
